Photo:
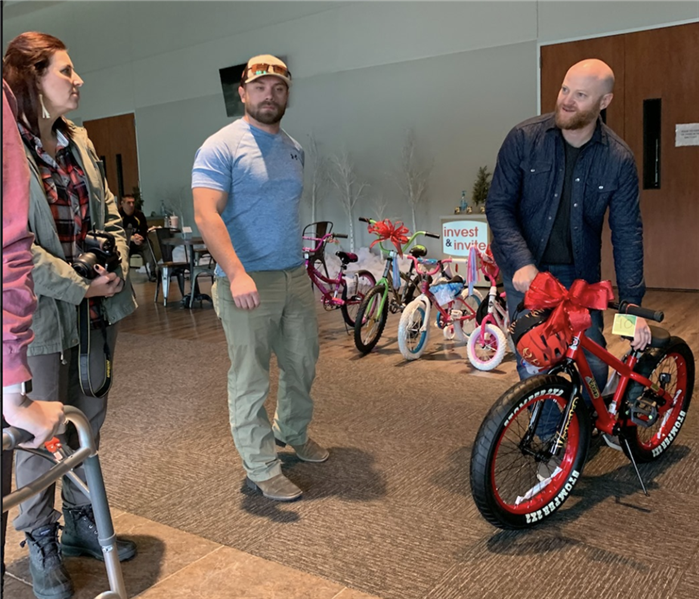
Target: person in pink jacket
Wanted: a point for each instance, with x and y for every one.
(41, 419)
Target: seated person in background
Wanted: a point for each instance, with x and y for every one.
(136, 228)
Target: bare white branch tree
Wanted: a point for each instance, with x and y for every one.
(317, 164)
(344, 178)
(413, 176)
(379, 203)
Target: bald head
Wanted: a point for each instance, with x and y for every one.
(585, 92)
(596, 72)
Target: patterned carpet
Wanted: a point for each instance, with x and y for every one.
(390, 513)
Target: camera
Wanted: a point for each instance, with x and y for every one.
(100, 248)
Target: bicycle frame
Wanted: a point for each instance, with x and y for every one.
(578, 369)
(497, 314)
(330, 295)
(428, 297)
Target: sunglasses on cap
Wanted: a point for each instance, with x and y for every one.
(257, 70)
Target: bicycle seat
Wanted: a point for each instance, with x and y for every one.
(658, 337)
(456, 279)
(347, 257)
(418, 251)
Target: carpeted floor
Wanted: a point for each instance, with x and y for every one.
(390, 513)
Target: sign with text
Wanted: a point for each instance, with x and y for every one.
(459, 235)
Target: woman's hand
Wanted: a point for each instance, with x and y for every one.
(106, 284)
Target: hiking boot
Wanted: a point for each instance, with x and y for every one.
(310, 451)
(279, 488)
(50, 579)
(80, 536)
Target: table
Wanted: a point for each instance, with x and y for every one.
(189, 243)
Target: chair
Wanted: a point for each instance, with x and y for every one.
(317, 230)
(204, 264)
(166, 267)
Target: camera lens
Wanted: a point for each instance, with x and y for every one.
(85, 264)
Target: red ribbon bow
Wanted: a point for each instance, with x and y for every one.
(386, 230)
(570, 306)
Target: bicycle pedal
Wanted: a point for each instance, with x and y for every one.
(643, 411)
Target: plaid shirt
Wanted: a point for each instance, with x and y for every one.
(66, 191)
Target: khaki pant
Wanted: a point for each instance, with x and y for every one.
(54, 381)
(284, 323)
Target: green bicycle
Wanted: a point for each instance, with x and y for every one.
(386, 295)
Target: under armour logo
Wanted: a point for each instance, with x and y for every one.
(294, 156)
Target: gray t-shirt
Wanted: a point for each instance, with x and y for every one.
(262, 173)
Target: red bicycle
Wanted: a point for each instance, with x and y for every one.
(531, 448)
(344, 291)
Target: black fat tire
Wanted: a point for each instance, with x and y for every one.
(487, 442)
(676, 358)
(349, 310)
(374, 295)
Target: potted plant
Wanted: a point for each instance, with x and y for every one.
(481, 188)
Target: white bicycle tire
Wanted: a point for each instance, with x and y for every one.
(406, 324)
(496, 358)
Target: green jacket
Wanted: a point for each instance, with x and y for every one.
(59, 289)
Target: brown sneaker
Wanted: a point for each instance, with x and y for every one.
(310, 451)
(279, 488)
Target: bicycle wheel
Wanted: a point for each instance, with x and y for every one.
(486, 348)
(353, 292)
(467, 323)
(515, 482)
(671, 367)
(370, 323)
(412, 339)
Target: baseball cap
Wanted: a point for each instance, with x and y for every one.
(266, 64)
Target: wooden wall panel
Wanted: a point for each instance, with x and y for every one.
(112, 136)
(665, 65)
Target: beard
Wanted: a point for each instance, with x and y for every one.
(261, 113)
(576, 120)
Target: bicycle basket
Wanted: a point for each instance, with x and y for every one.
(536, 346)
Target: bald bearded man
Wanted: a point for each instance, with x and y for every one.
(556, 177)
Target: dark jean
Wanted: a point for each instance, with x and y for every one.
(550, 414)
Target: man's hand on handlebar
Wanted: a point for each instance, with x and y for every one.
(642, 335)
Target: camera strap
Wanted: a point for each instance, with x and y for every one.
(85, 344)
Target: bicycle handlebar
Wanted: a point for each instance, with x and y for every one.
(410, 241)
(340, 235)
(625, 307)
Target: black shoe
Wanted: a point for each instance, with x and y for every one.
(50, 579)
(80, 536)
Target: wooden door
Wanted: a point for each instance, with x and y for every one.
(115, 141)
(657, 63)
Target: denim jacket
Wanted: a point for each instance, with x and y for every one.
(59, 289)
(526, 191)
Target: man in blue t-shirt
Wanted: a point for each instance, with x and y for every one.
(247, 182)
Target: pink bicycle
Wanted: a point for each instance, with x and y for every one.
(489, 340)
(456, 309)
(345, 290)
